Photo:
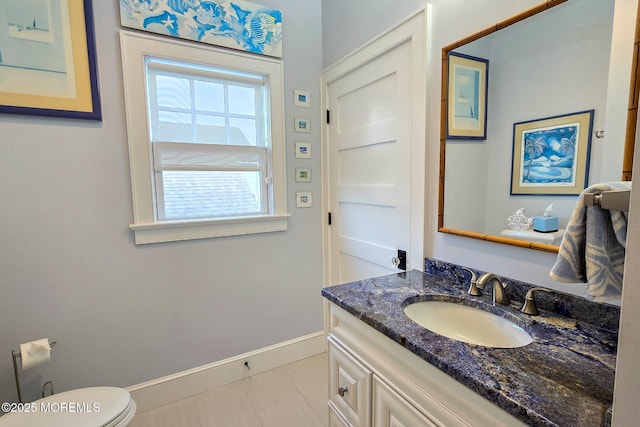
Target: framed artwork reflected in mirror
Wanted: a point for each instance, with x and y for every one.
(467, 112)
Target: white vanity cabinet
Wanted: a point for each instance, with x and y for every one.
(335, 420)
(350, 387)
(392, 410)
(373, 381)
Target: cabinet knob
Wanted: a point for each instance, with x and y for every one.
(342, 391)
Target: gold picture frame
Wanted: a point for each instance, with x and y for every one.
(551, 155)
(59, 76)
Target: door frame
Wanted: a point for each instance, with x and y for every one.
(416, 29)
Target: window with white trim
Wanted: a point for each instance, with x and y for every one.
(206, 140)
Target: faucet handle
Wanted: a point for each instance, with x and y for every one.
(473, 288)
(529, 306)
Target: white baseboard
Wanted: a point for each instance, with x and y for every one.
(181, 385)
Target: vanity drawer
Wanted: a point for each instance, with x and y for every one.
(349, 386)
(335, 420)
(391, 410)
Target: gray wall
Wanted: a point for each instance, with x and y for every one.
(123, 314)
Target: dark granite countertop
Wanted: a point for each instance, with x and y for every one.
(564, 377)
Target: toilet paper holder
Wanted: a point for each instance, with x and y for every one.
(16, 372)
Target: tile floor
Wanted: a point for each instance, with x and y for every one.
(294, 395)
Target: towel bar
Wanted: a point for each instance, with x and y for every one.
(615, 200)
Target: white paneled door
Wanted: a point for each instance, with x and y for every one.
(371, 141)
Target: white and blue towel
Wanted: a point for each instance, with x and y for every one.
(593, 247)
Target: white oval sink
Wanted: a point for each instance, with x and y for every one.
(467, 324)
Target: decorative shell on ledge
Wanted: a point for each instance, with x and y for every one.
(519, 221)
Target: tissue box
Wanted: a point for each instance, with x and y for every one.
(545, 224)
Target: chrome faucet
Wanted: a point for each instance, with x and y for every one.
(529, 306)
(499, 295)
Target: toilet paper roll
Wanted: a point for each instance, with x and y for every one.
(35, 353)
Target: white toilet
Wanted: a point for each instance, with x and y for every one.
(85, 407)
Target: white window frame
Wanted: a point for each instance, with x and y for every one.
(135, 47)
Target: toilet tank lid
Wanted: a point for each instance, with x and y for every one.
(93, 406)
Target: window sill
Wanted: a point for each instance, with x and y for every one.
(172, 231)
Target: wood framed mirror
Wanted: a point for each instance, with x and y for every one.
(479, 37)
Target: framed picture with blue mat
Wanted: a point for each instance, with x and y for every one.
(551, 155)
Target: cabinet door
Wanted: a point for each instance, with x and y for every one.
(391, 410)
(349, 387)
(335, 420)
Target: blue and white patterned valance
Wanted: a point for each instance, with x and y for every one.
(236, 24)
